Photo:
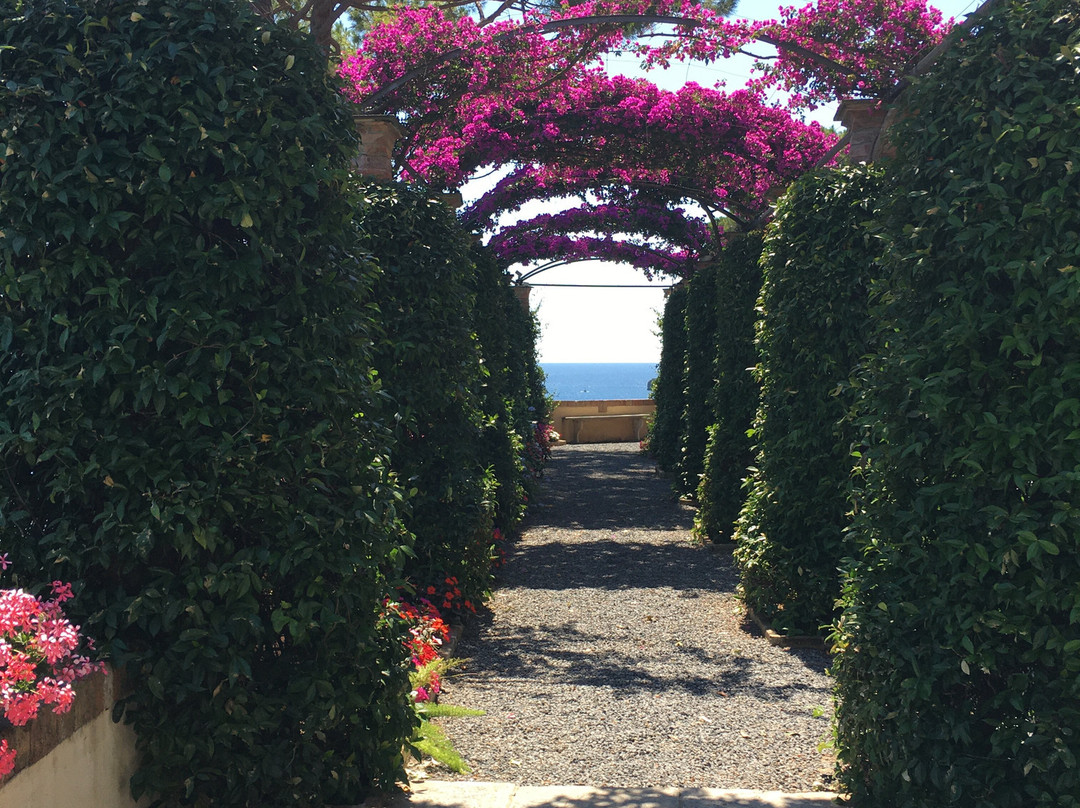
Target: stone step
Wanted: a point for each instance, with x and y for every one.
(464, 794)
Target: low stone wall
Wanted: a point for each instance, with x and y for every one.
(615, 421)
(78, 758)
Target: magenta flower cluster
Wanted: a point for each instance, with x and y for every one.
(644, 233)
(827, 49)
(531, 93)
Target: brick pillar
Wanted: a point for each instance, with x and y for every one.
(521, 292)
(378, 134)
(865, 121)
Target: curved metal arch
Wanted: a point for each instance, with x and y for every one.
(521, 278)
(711, 207)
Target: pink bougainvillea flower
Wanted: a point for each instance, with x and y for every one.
(529, 94)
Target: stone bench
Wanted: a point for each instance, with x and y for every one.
(614, 428)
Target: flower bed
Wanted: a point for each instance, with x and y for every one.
(39, 659)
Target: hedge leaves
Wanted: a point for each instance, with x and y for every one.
(811, 331)
(734, 399)
(959, 667)
(185, 379)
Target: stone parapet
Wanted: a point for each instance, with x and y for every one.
(612, 421)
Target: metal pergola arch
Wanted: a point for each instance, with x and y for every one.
(522, 278)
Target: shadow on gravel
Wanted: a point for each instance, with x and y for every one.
(594, 489)
(616, 563)
(493, 795)
(607, 489)
(587, 660)
(815, 659)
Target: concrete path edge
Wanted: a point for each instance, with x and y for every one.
(466, 794)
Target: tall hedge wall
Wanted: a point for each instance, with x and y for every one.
(665, 437)
(699, 322)
(813, 328)
(538, 403)
(429, 363)
(183, 355)
(458, 367)
(734, 399)
(507, 346)
(959, 645)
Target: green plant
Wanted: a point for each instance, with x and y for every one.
(184, 355)
(959, 644)
(429, 364)
(812, 330)
(426, 680)
(734, 398)
(430, 739)
(699, 322)
(668, 391)
(427, 632)
(507, 349)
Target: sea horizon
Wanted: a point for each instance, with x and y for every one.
(598, 381)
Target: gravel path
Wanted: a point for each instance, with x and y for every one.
(614, 652)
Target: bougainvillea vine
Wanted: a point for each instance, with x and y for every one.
(527, 95)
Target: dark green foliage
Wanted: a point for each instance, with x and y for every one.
(503, 328)
(429, 364)
(183, 355)
(698, 376)
(812, 330)
(668, 391)
(538, 403)
(728, 453)
(533, 405)
(959, 646)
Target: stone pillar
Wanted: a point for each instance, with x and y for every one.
(378, 134)
(864, 120)
(667, 290)
(885, 147)
(521, 292)
(452, 200)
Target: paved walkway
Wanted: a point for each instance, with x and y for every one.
(613, 654)
(448, 794)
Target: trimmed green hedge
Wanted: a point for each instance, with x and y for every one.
(699, 321)
(728, 454)
(959, 646)
(429, 362)
(507, 347)
(812, 330)
(183, 354)
(668, 392)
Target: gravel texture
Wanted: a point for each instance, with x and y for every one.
(614, 652)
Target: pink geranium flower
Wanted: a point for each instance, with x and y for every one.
(39, 659)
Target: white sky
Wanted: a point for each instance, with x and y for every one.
(620, 325)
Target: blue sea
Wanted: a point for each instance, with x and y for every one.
(584, 381)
